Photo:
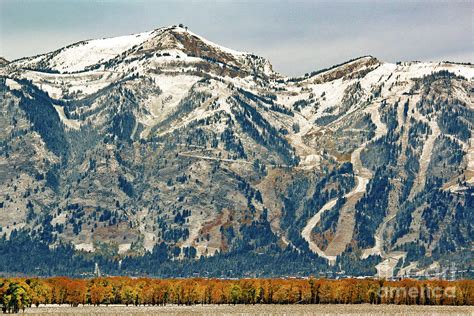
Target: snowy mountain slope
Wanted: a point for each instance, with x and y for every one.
(79, 56)
(165, 138)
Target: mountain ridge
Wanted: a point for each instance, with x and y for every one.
(180, 143)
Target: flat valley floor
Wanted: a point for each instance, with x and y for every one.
(293, 310)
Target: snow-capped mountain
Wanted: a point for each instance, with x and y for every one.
(166, 142)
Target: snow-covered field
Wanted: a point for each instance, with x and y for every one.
(361, 309)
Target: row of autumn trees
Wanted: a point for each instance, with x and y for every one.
(19, 293)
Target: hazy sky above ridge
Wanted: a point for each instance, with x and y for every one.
(296, 36)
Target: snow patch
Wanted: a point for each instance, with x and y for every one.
(74, 124)
(12, 84)
(123, 248)
(88, 247)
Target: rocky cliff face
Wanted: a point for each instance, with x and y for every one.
(121, 146)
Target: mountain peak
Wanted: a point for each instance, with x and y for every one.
(192, 44)
(176, 41)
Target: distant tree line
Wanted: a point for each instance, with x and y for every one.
(19, 293)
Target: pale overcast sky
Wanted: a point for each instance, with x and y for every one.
(296, 36)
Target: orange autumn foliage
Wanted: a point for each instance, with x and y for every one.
(149, 291)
